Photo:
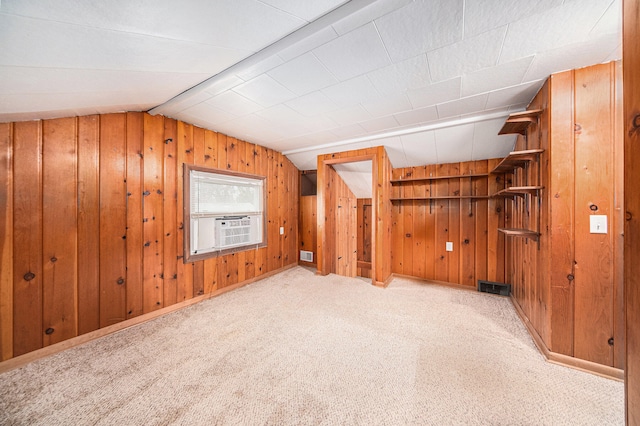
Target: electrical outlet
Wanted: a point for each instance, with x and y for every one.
(282, 230)
(449, 245)
(598, 224)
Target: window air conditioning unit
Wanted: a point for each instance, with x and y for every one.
(237, 231)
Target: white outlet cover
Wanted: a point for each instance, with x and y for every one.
(449, 245)
(282, 230)
(598, 224)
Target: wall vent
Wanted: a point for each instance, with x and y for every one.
(306, 256)
(494, 288)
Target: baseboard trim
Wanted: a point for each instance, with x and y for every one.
(565, 360)
(22, 360)
(383, 284)
(440, 283)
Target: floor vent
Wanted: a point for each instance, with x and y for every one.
(306, 256)
(494, 288)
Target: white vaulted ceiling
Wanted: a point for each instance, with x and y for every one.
(431, 80)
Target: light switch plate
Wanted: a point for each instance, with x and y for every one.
(598, 224)
(449, 246)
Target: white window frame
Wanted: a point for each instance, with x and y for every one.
(221, 216)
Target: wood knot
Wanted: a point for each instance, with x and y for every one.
(120, 281)
(29, 276)
(570, 277)
(54, 259)
(49, 331)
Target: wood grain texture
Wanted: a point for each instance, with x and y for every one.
(441, 208)
(170, 247)
(27, 237)
(113, 219)
(568, 283)
(184, 288)
(307, 225)
(59, 221)
(433, 223)
(618, 219)
(453, 258)
(594, 188)
(135, 237)
(153, 214)
(199, 159)
(6, 241)
(631, 64)
(560, 179)
(76, 193)
(88, 225)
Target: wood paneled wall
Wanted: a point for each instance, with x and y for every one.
(570, 284)
(365, 216)
(344, 205)
(91, 222)
(422, 227)
(307, 226)
(631, 128)
(381, 210)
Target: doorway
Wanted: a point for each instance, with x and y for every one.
(378, 169)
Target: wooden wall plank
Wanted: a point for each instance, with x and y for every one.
(135, 243)
(481, 187)
(617, 228)
(210, 149)
(495, 220)
(290, 254)
(453, 258)
(307, 225)
(397, 246)
(27, 233)
(88, 223)
(282, 207)
(273, 236)
(631, 83)
(441, 208)
(113, 219)
(419, 233)
(199, 159)
(467, 232)
(153, 216)
(260, 159)
(170, 248)
(594, 183)
(6, 241)
(430, 226)
(184, 147)
(561, 181)
(210, 271)
(59, 221)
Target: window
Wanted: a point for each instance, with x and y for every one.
(224, 212)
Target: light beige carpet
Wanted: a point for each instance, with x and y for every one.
(297, 348)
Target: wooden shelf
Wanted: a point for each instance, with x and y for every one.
(444, 197)
(523, 233)
(516, 159)
(518, 122)
(426, 179)
(518, 190)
